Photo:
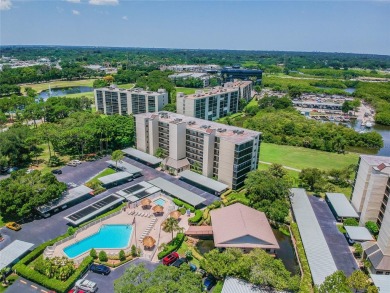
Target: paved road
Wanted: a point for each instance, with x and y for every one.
(337, 243)
(24, 286)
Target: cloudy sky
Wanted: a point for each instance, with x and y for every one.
(331, 26)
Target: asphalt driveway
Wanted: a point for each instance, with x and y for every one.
(337, 243)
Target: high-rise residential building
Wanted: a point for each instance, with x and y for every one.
(370, 198)
(214, 103)
(113, 100)
(215, 150)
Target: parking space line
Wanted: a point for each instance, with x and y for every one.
(44, 291)
(35, 287)
(22, 281)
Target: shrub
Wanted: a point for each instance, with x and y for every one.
(122, 255)
(103, 256)
(358, 249)
(93, 253)
(133, 251)
(350, 222)
(71, 230)
(216, 204)
(372, 227)
(180, 203)
(172, 246)
(196, 218)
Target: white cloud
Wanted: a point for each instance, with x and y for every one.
(5, 4)
(76, 12)
(103, 2)
(124, 17)
(73, 1)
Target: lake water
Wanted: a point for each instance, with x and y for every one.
(286, 252)
(349, 90)
(60, 92)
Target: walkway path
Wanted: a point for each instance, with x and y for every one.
(285, 167)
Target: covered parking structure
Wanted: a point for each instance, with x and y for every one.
(94, 209)
(115, 179)
(126, 167)
(340, 206)
(316, 248)
(138, 191)
(143, 157)
(177, 191)
(358, 234)
(11, 254)
(71, 197)
(203, 182)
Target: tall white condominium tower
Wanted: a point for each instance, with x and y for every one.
(216, 150)
(113, 100)
(370, 198)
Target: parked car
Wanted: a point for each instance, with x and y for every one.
(56, 171)
(13, 169)
(193, 267)
(13, 226)
(201, 272)
(72, 164)
(170, 258)
(76, 162)
(177, 263)
(86, 285)
(209, 282)
(100, 269)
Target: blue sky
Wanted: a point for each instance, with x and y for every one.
(330, 26)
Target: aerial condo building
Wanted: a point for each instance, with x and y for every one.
(370, 198)
(215, 150)
(113, 100)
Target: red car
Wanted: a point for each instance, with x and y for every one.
(77, 291)
(170, 258)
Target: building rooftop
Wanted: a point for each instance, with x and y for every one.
(200, 94)
(12, 252)
(382, 282)
(358, 233)
(341, 205)
(378, 260)
(118, 176)
(234, 285)
(316, 248)
(132, 90)
(203, 180)
(125, 166)
(142, 156)
(69, 196)
(224, 132)
(240, 226)
(375, 160)
(177, 191)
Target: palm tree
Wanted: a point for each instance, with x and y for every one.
(117, 156)
(171, 225)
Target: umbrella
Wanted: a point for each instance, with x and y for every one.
(149, 241)
(146, 202)
(158, 209)
(175, 214)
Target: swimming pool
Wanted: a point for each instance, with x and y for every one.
(159, 201)
(108, 237)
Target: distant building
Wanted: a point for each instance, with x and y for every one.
(191, 67)
(204, 77)
(232, 73)
(216, 150)
(370, 198)
(112, 100)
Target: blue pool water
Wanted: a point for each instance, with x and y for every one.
(109, 237)
(159, 201)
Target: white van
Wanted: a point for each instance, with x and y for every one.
(86, 285)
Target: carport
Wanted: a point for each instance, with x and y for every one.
(13, 252)
(359, 234)
(115, 179)
(203, 182)
(126, 167)
(143, 157)
(340, 206)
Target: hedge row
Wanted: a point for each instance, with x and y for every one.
(114, 265)
(53, 284)
(172, 246)
(306, 285)
(197, 217)
(180, 203)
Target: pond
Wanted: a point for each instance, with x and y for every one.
(349, 90)
(286, 253)
(59, 92)
(205, 246)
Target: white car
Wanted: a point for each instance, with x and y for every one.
(86, 285)
(76, 162)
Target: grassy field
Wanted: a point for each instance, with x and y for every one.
(58, 84)
(299, 158)
(186, 90)
(105, 172)
(1, 221)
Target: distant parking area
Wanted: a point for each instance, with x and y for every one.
(337, 243)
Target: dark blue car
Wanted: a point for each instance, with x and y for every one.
(100, 269)
(209, 282)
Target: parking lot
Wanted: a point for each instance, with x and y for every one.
(337, 243)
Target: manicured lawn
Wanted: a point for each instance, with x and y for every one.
(78, 95)
(186, 90)
(58, 84)
(182, 252)
(253, 102)
(299, 158)
(1, 221)
(105, 172)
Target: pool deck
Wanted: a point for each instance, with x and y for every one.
(126, 217)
